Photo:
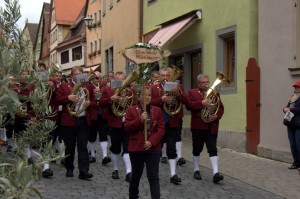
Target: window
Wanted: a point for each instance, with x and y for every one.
(104, 8)
(76, 53)
(64, 57)
(95, 19)
(226, 54)
(99, 45)
(95, 44)
(100, 16)
(91, 46)
(109, 59)
(110, 4)
(196, 67)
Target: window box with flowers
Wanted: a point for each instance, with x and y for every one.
(94, 53)
(98, 51)
(90, 55)
(98, 23)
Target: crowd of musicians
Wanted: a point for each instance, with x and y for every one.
(143, 135)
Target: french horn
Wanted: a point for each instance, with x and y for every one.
(126, 95)
(82, 94)
(212, 94)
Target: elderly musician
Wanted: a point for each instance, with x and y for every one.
(204, 132)
(119, 139)
(75, 124)
(98, 125)
(172, 122)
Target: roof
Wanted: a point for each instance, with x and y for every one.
(67, 11)
(33, 31)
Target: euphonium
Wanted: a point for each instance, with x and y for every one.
(174, 107)
(213, 95)
(82, 94)
(126, 96)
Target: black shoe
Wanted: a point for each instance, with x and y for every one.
(128, 177)
(197, 175)
(218, 177)
(9, 149)
(163, 160)
(115, 174)
(30, 161)
(47, 173)
(69, 173)
(181, 161)
(85, 175)
(175, 179)
(106, 160)
(92, 159)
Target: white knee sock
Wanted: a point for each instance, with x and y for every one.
(104, 148)
(178, 149)
(127, 162)
(62, 148)
(3, 134)
(27, 152)
(214, 163)
(164, 150)
(115, 161)
(196, 163)
(92, 149)
(172, 163)
(46, 166)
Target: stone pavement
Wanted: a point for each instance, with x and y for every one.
(246, 176)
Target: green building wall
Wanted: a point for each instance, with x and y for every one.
(216, 15)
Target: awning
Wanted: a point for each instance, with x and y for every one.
(172, 30)
(89, 68)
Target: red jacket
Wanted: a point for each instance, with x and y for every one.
(135, 127)
(195, 105)
(157, 92)
(62, 99)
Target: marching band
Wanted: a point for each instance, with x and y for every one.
(91, 106)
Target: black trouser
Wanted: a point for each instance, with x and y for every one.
(200, 137)
(119, 139)
(9, 126)
(19, 126)
(98, 126)
(179, 129)
(151, 160)
(76, 135)
(170, 138)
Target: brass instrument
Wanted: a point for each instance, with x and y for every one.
(126, 95)
(175, 106)
(213, 95)
(82, 94)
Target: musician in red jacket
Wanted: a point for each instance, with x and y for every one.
(99, 123)
(119, 139)
(144, 152)
(204, 132)
(172, 122)
(75, 127)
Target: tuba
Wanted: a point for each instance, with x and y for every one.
(213, 95)
(126, 96)
(174, 107)
(82, 94)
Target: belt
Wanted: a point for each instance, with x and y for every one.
(81, 118)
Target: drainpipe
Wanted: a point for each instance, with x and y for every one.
(140, 20)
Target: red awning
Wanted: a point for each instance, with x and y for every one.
(171, 31)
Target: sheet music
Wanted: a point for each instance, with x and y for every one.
(170, 86)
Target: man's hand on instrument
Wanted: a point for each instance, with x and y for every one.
(167, 99)
(115, 98)
(73, 98)
(147, 145)
(144, 117)
(206, 103)
(213, 117)
(176, 91)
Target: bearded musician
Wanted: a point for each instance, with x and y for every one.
(172, 123)
(98, 123)
(119, 139)
(203, 132)
(75, 127)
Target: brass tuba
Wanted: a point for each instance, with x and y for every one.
(126, 95)
(174, 107)
(213, 95)
(83, 96)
